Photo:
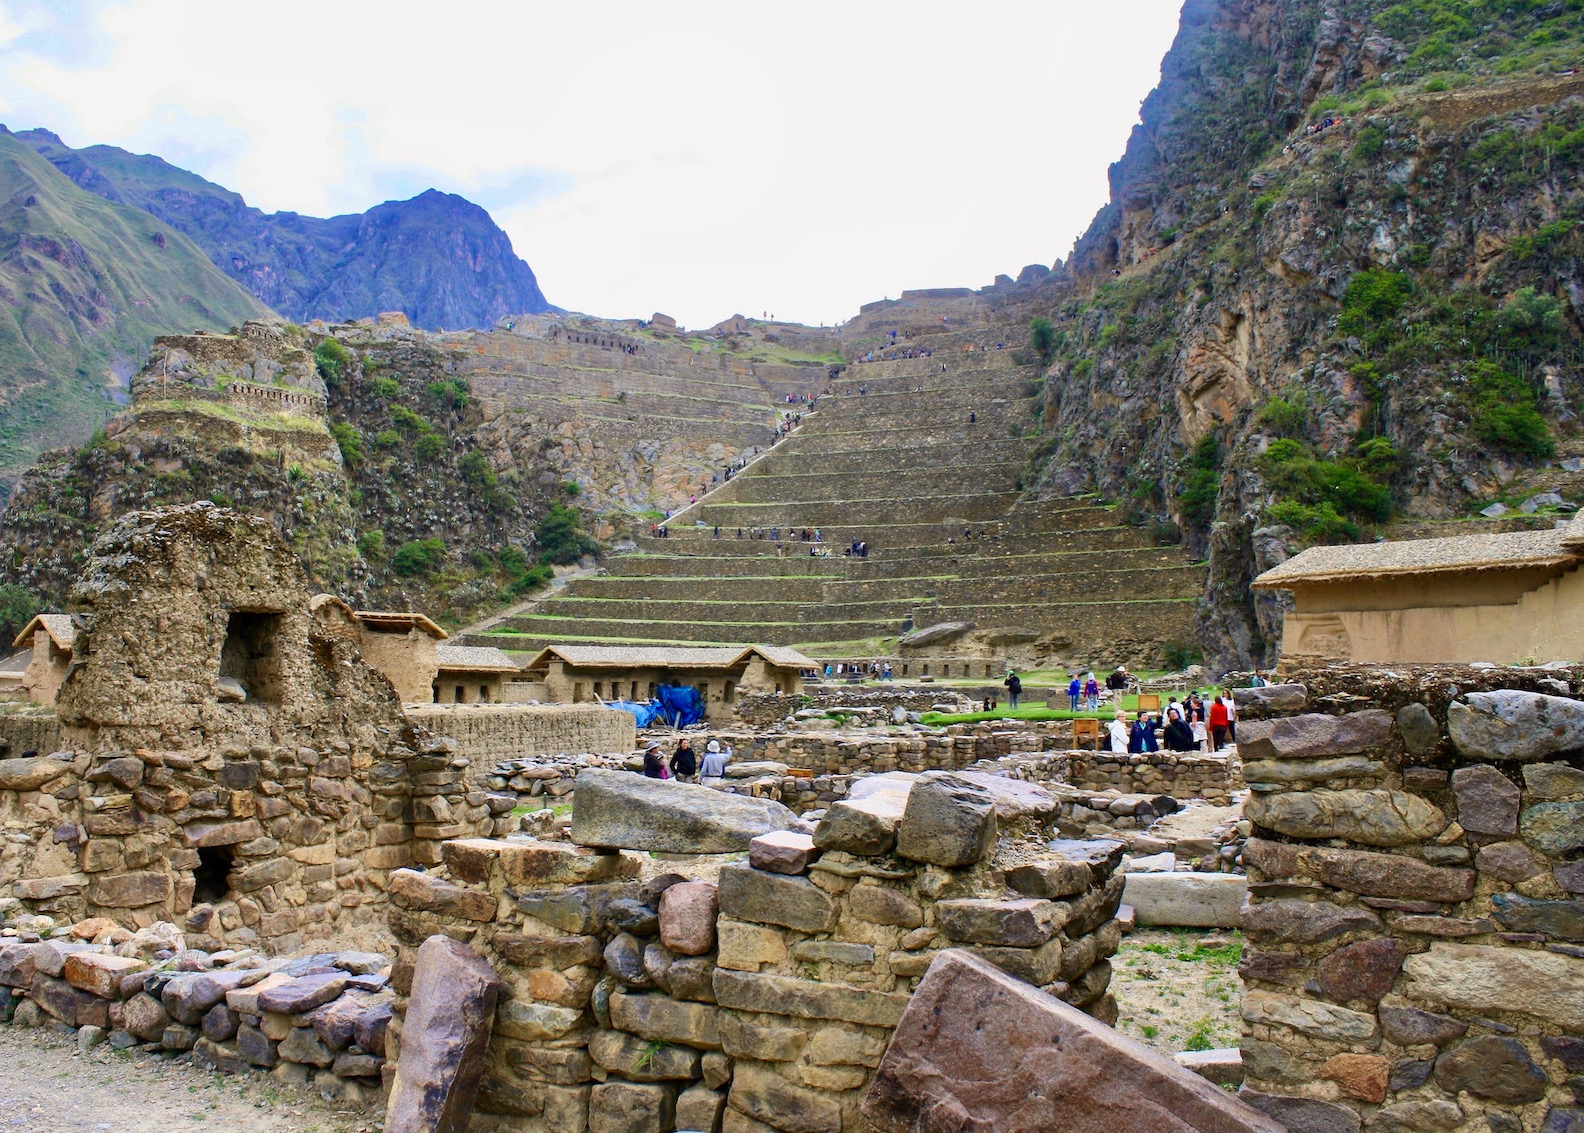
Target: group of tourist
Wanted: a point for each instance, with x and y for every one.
(1189, 725)
(683, 764)
(879, 670)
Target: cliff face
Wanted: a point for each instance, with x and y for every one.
(1337, 287)
(438, 258)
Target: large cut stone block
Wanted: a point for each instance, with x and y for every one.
(30, 774)
(1487, 801)
(659, 1018)
(866, 827)
(764, 1095)
(750, 894)
(129, 890)
(99, 974)
(1201, 900)
(1313, 735)
(1360, 871)
(1308, 1016)
(1304, 922)
(977, 1049)
(1476, 977)
(1510, 724)
(1375, 818)
(620, 809)
(949, 821)
(532, 863)
(444, 1038)
(807, 999)
(1023, 923)
(632, 1107)
(413, 890)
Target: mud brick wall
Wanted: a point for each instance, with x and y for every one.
(762, 1000)
(1415, 919)
(486, 734)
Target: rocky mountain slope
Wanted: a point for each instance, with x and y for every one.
(85, 285)
(438, 258)
(1337, 286)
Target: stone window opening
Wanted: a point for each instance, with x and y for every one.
(483, 694)
(461, 694)
(212, 876)
(250, 655)
(729, 693)
(436, 690)
(598, 685)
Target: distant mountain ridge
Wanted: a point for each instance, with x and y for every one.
(438, 257)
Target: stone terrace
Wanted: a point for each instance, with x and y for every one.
(891, 458)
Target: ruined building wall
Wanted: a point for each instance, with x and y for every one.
(485, 734)
(1415, 919)
(766, 998)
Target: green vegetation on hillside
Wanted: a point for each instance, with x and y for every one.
(87, 285)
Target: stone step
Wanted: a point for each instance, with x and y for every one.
(903, 540)
(908, 413)
(564, 629)
(842, 485)
(917, 562)
(794, 459)
(947, 513)
(1184, 580)
(680, 610)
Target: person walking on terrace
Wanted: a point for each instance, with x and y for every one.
(1219, 720)
(1231, 709)
(1092, 693)
(1074, 691)
(1014, 687)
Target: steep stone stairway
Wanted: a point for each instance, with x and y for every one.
(920, 459)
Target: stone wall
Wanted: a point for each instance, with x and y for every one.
(763, 999)
(1211, 776)
(486, 734)
(1415, 919)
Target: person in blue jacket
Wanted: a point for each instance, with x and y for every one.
(1074, 691)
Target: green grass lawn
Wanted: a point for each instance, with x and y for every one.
(1040, 712)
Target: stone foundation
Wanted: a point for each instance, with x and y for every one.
(1415, 918)
(486, 734)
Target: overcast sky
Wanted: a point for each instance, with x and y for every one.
(694, 158)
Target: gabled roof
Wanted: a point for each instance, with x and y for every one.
(1513, 550)
(473, 659)
(396, 621)
(666, 656)
(58, 626)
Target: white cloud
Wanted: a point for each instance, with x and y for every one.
(696, 158)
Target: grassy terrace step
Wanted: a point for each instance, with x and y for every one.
(905, 540)
(580, 378)
(1183, 580)
(772, 487)
(707, 610)
(945, 510)
(794, 460)
(849, 432)
(911, 416)
(726, 586)
(786, 633)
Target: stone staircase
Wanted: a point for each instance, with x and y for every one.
(892, 458)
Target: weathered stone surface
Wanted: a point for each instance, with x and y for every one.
(1569, 876)
(1049, 879)
(764, 1095)
(255, 1047)
(530, 862)
(1415, 1117)
(1487, 800)
(1023, 923)
(220, 1023)
(1484, 978)
(866, 827)
(188, 997)
(1508, 861)
(1308, 1016)
(303, 994)
(304, 1047)
(535, 1022)
(1359, 871)
(1491, 1066)
(1274, 698)
(1510, 724)
(1304, 922)
(566, 1109)
(1560, 919)
(30, 774)
(413, 890)
(1547, 781)
(620, 809)
(632, 1107)
(783, 851)
(1101, 855)
(1202, 900)
(443, 1040)
(1223, 1065)
(336, 1022)
(750, 894)
(1361, 1076)
(659, 1018)
(547, 951)
(129, 890)
(1313, 735)
(949, 821)
(978, 1049)
(1038, 966)
(99, 974)
(1375, 818)
(65, 1002)
(880, 904)
(743, 947)
(1565, 1049)
(698, 1107)
(145, 1017)
(741, 1039)
(1284, 772)
(1365, 970)
(1419, 729)
(687, 918)
(1304, 1115)
(641, 1061)
(1553, 828)
(222, 833)
(624, 959)
(807, 999)
(1013, 798)
(18, 963)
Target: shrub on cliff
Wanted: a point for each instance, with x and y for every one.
(418, 556)
(1196, 501)
(18, 604)
(332, 360)
(1505, 413)
(559, 536)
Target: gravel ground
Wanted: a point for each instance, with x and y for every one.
(1178, 988)
(47, 1087)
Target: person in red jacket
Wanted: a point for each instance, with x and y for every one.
(1220, 718)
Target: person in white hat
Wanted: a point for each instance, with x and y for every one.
(714, 765)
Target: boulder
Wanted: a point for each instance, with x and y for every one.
(1200, 900)
(1272, 698)
(866, 827)
(444, 1038)
(940, 633)
(1482, 978)
(1510, 724)
(30, 774)
(1487, 801)
(979, 1049)
(948, 821)
(1374, 818)
(620, 809)
(783, 851)
(1014, 798)
(687, 918)
(1313, 735)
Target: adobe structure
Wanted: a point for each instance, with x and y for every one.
(580, 674)
(1503, 598)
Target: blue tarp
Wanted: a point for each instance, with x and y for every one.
(680, 705)
(643, 714)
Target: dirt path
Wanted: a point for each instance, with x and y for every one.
(1175, 992)
(47, 1087)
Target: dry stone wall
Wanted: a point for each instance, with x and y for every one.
(1415, 918)
(765, 998)
(486, 734)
